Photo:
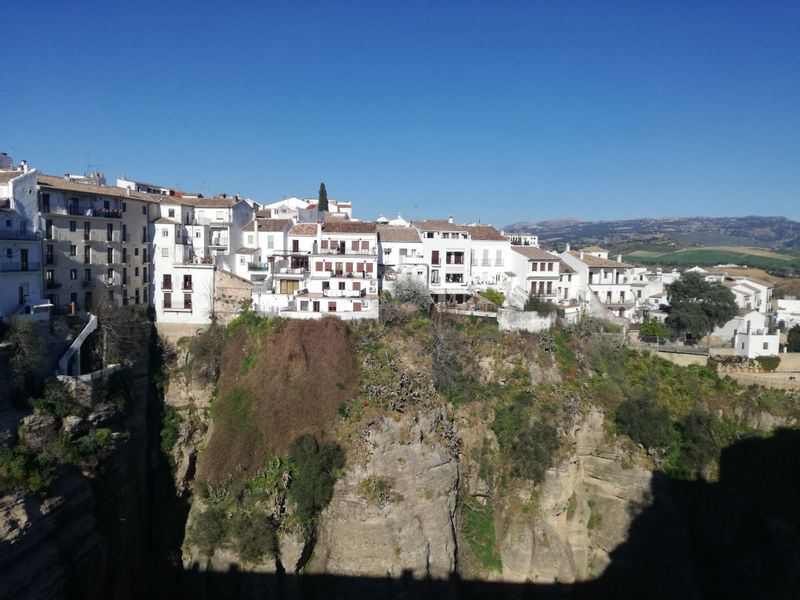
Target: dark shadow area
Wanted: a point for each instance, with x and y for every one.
(735, 539)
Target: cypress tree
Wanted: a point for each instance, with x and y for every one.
(323, 198)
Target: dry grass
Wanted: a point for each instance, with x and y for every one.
(299, 375)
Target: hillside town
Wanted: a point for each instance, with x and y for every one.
(73, 240)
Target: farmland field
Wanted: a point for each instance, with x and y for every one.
(716, 255)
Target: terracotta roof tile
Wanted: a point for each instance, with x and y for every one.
(535, 253)
(59, 183)
(389, 233)
(349, 227)
(304, 229)
(268, 225)
(595, 261)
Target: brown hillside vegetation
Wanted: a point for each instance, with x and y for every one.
(277, 383)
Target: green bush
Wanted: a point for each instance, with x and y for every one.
(207, 531)
(494, 296)
(253, 535)
(205, 350)
(532, 452)
(538, 305)
(56, 400)
(22, 469)
(507, 425)
(170, 425)
(477, 524)
(655, 328)
(84, 450)
(698, 442)
(644, 422)
(793, 339)
(769, 363)
(314, 472)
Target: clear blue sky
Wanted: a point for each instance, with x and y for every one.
(495, 110)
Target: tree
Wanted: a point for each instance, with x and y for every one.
(793, 339)
(313, 474)
(412, 290)
(697, 305)
(322, 205)
(27, 351)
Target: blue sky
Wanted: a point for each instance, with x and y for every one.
(498, 111)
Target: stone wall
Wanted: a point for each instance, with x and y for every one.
(232, 294)
(520, 320)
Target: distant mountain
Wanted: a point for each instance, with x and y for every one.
(765, 232)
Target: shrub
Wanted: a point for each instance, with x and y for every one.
(314, 472)
(538, 305)
(698, 443)
(253, 534)
(494, 296)
(22, 469)
(205, 350)
(508, 423)
(87, 448)
(793, 339)
(169, 433)
(207, 530)
(769, 363)
(27, 352)
(477, 523)
(533, 450)
(654, 328)
(412, 290)
(56, 400)
(644, 422)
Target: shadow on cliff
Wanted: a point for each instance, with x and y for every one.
(738, 538)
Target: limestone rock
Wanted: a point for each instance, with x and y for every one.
(103, 415)
(74, 426)
(37, 431)
(413, 531)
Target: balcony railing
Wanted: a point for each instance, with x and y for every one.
(218, 242)
(10, 234)
(346, 251)
(52, 284)
(88, 283)
(166, 285)
(12, 267)
(258, 266)
(187, 286)
(329, 293)
(88, 211)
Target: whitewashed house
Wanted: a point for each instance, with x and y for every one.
(787, 312)
(604, 285)
(21, 275)
(536, 273)
(400, 253)
(753, 343)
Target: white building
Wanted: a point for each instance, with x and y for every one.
(750, 321)
(400, 253)
(21, 275)
(536, 273)
(184, 269)
(463, 258)
(603, 285)
(787, 311)
(753, 343)
(265, 243)
(522, 239)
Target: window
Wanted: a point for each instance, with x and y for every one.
(403, 251)
(110, 256)
(144, 255)
(165, 232)
(271, 241)
(87, 255)
(549, 265)
(144, 211)
(144, 295)
(125, 209)
(250, 239)
(87, 275)
(766, 345)
(197, 235)
(109, 232)
(220, 215)
(109, 276)
(534, 266)
(165, 252)
(87, 229)
(73, 274)
(166, 282)
(289, 287)
(136, 296)
(144, 234)
(354, 245)
(48, 229)
(435, 276)
(485, 261)
(124, 276)
(167, 300)
(48, 255)
(73, 225)
(125, 256)
(365, 245)
(45, 203)
(454, 278)
(171, 213)
(144, 274)
(187, 282)
(341, 285)
(73, 250)
(136, 272)
(331, 306)
(435, 257)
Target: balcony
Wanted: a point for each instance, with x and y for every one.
(88, 283)
(187, 286)
(343, 293)
(219, 242)
(52, 284)
(258, 266)
(166, 285)
(17, 267)
(345, 252)
(27, 236)
(88, 211)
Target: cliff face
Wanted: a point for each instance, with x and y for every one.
(394, 508)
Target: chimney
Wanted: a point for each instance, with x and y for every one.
(450, 219)
(619, 257)
(748, 327)
(567, 249)
(24, 165)
(581, 254)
